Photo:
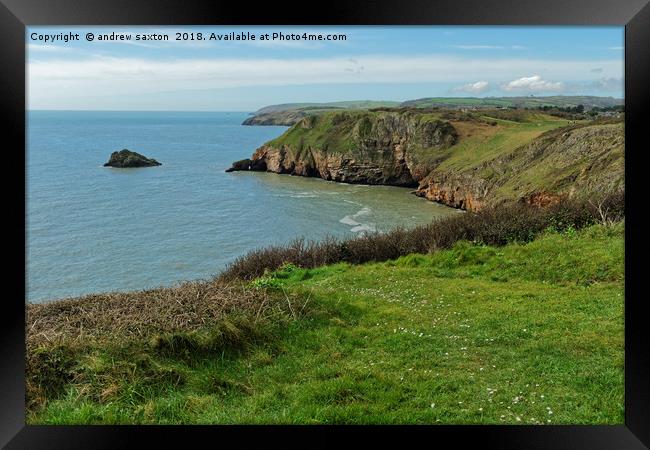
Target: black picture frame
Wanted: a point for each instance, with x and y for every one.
(15, 15)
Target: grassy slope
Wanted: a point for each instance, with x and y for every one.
(480, 142)
(328, 131)
(519, 334)
(558, 172)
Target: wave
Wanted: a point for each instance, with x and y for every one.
(359, 227)
(348, 220)
(364, 227)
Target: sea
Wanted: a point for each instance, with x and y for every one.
(97, 229)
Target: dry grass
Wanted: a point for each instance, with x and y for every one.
(190, 306)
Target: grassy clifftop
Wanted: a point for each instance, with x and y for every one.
(521, 334)
(345, 132)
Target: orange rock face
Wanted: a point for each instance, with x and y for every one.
(544, 199)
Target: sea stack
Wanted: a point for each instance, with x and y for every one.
(127, 158)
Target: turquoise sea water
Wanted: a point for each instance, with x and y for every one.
(94, 229)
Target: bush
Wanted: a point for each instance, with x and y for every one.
(499, 225)
(48, 371)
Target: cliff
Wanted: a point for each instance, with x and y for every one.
(283, 118)
(357, 147)
(559, 163)
(464, 160)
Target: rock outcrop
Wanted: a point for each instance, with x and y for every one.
(127, 158)
(248, 164)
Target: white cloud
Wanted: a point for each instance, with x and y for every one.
(533, 84)
(473, 88)
(64, 81)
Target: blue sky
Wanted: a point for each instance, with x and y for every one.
(372, 63)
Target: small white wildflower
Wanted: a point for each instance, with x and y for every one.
(433, 405)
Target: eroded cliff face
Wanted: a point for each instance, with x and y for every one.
(413, 149)
(556, 165)
(462, 191)
(390, 169)
(358, 147)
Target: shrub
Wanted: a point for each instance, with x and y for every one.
(48, 371)
(499, 225)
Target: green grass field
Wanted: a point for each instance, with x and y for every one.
(522, 334)
(481, 143)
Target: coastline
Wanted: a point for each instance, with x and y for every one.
(440, 154)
